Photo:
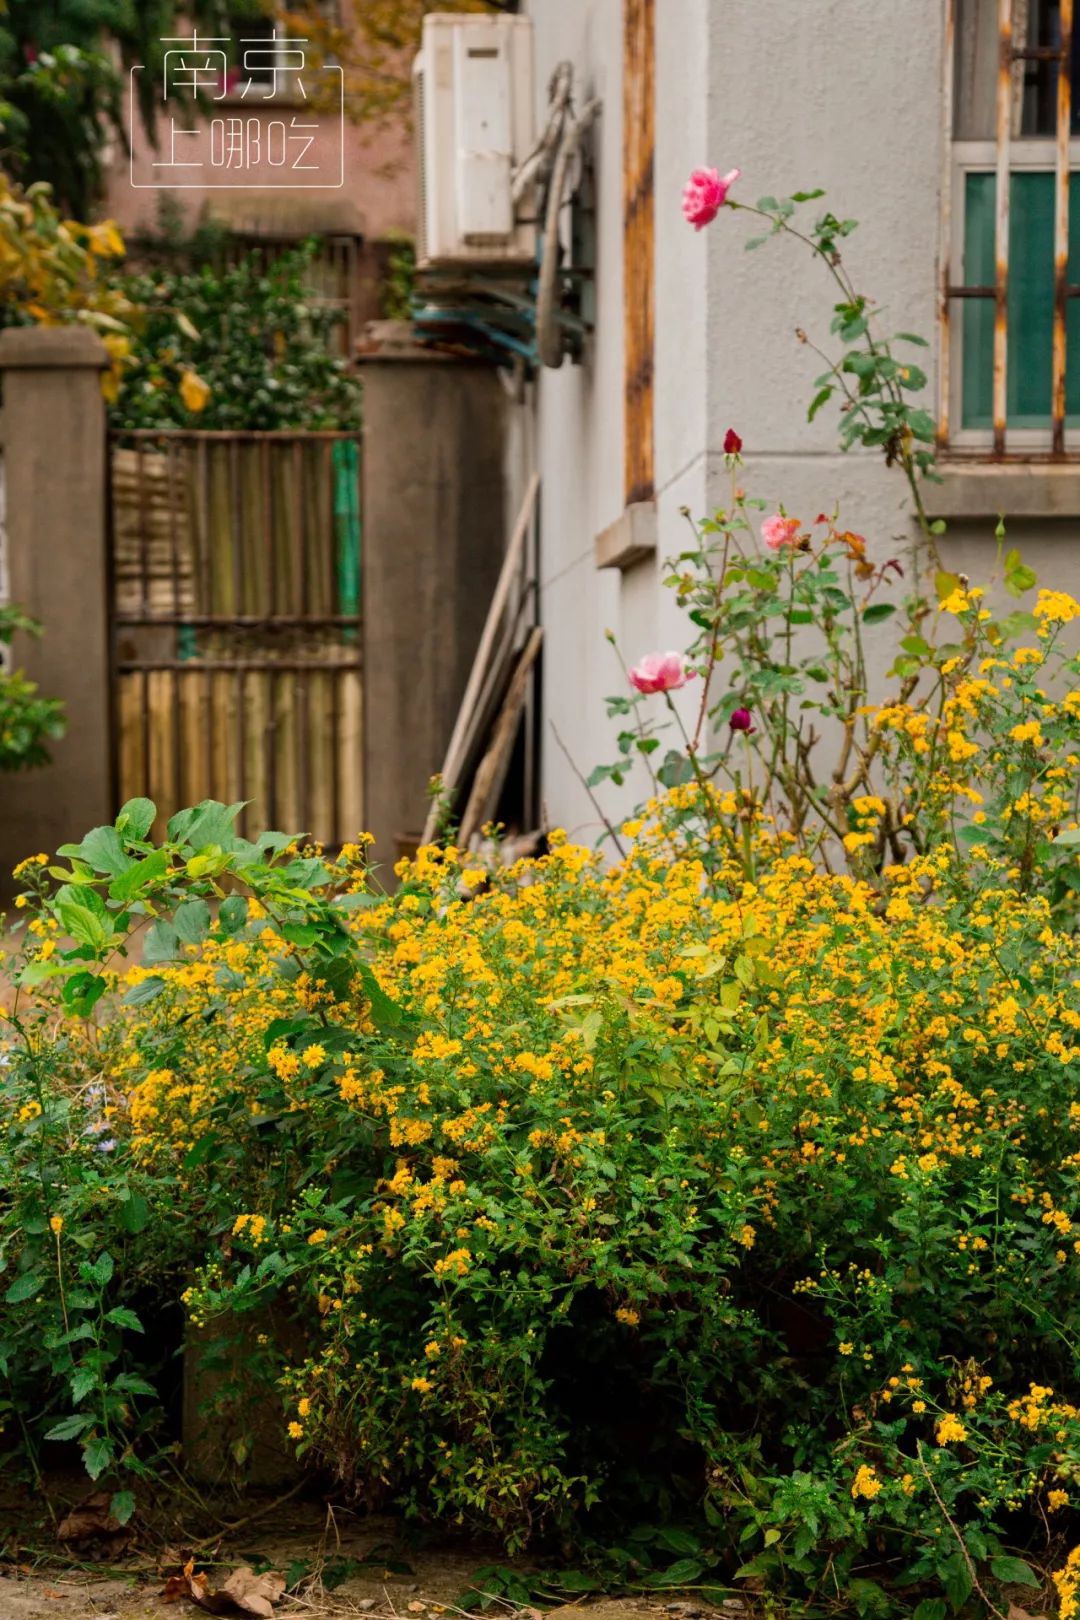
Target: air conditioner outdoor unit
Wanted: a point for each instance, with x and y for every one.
(473, 87)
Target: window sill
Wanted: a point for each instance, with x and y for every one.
(1019, 489)
(630, 539)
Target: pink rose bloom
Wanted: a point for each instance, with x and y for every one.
(660, 672)
(779, 531)
(704, 195)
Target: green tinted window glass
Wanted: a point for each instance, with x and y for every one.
(1031, 302)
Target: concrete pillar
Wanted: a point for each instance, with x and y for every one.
(434, 532)
(55, 467)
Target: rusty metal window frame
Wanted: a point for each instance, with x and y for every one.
(1004, 156)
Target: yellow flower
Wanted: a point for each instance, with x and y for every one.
(319, 1235)
(1056, 1500)
(950, 1428)
(865, 1483)
(314, 1055)
(422, 1385)
(846, 1348)
(56, 1223)
(628, 1317)
(296, 1431)
(303, 1407)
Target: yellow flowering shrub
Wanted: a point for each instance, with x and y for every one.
(585, 1189)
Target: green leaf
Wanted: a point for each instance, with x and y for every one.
(821, 398)
(136, 818)
(82, 992)
(102, 849)
(1015, 1571)
(148, 870)
(1020, 579)
(209, 823)
(84, 1380)
(134, 1215)
(911, 337)
(120, 1316)
(678, 1541)
(70, 1428)
(146, 990)
(192, 921)
(878, 611)
(24, 1287)
(956, 1579)
(122, 1506)
(385, 1013)
(102, 1269)
(82, 913)
(232, 914)
(682, 1573)
(97, 1455)
(162, 944)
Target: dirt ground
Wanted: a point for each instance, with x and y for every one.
(338, 1564)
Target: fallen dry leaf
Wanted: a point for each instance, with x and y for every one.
(254, 1594)
(243, 1593)
(91, 1521)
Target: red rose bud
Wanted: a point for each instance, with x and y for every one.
(741, 720)
(732, 443)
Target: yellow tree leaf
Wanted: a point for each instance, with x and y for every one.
(193, 391)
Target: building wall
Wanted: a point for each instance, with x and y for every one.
(842, 94)
(378, 197)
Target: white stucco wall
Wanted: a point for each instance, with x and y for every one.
(842, 94)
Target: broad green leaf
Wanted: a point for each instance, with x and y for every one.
(134, 1214)
(120, 1316)
(146, 990)
(97, 1455)
(102, 849)
(69, 1428)
(232, 914)
(102, 1269)
(122, 1506)
(162, 944)
(192, 921)
(1015, 1571)
(83, 1381)
(148, 870)
(82, 992)
(24, 1287)
(136, 818)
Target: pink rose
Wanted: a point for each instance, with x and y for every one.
(660, 672)
(741, 720)
(779, 531)
(704, 195)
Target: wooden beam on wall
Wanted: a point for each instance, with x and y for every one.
(639, 144)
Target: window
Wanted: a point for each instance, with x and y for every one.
(1011, 249)
(266, 60)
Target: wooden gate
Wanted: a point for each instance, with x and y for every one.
(236, 625)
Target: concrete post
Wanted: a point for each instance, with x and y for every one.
(434, 532)
(55, 467)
